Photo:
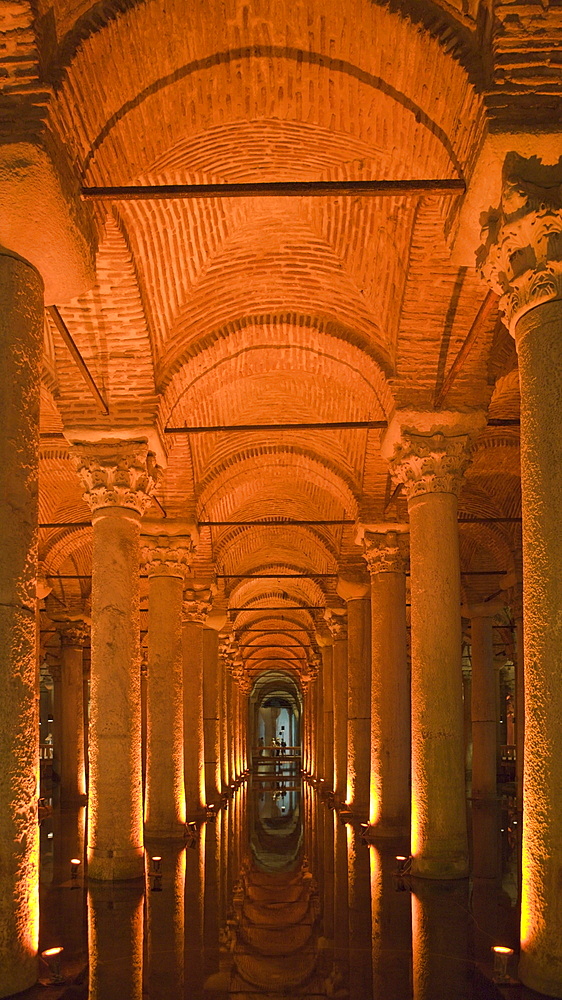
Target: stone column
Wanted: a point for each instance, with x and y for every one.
(118, 477)
(319, 685)
(211, 715)
(338, 628)
(522, 258)
(326, 642)
(390, 685)
(71, 722)
(21, 339)
(430, 467)
(483, 702)
(196, 607)
(166, 559)
(358, 695)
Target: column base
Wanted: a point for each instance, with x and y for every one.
(541, 975)
(452, 867)
(115, 866)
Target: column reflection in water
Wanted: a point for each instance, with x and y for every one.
(194, 916)
(440, 940)
(211, 910)
(391, 928)
(165, 931)
(63, 913)
(115, 941)
(360, 971)
(341, 919)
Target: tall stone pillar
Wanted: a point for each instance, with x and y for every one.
(483, 701)
(211, 715)
(71, 722)
(196, 607)
(358, 695)
(118, 477)
(21, 338)
(319, 685)
(166, 560)
(522, 259)
(430, 467)
(338, 628)
(390, 685)
(326, 642)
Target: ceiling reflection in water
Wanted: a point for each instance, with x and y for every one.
(277, 897)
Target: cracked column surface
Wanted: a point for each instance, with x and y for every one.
(522, 260)
(21, 332)
(430, 467)
(390, 685)
(118, 478)
(166, 560)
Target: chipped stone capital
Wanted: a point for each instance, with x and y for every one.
(116, 473)
(521, 252)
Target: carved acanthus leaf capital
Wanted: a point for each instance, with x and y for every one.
(384, 552)
(521, 253)
(197, 605)
(74, 634)
(166, 555)
(116, 473)
(430, 463)
(337, 625)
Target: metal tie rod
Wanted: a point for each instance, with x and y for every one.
(276, 189)
(331, 425)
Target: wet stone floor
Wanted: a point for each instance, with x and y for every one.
(277, 897)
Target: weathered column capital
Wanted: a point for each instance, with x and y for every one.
(197, 605)
(74, 633)
(384, 551)
(116, 473)
(521, 254)
(337, 624)
(430, 463)
(165, 555)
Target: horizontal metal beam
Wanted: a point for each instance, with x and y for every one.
(276, 189)
(65, 524)
(320, 425)
(289, 522)
(276, 576)
(283, 607)
(278, 523)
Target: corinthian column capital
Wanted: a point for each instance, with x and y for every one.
(521, 253)
(384, 551)
(430, 463)
(73, 632)
(165, 555)
(197, 605)
(116, 473)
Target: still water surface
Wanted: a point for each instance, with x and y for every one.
(275, 898)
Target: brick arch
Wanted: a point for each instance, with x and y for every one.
(227, 486)
(67, 543)
(274, 342)
(245, 549)
(387, 56)
(305, 589)
(272, 260)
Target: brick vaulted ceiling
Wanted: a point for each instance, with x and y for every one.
(241, 311)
